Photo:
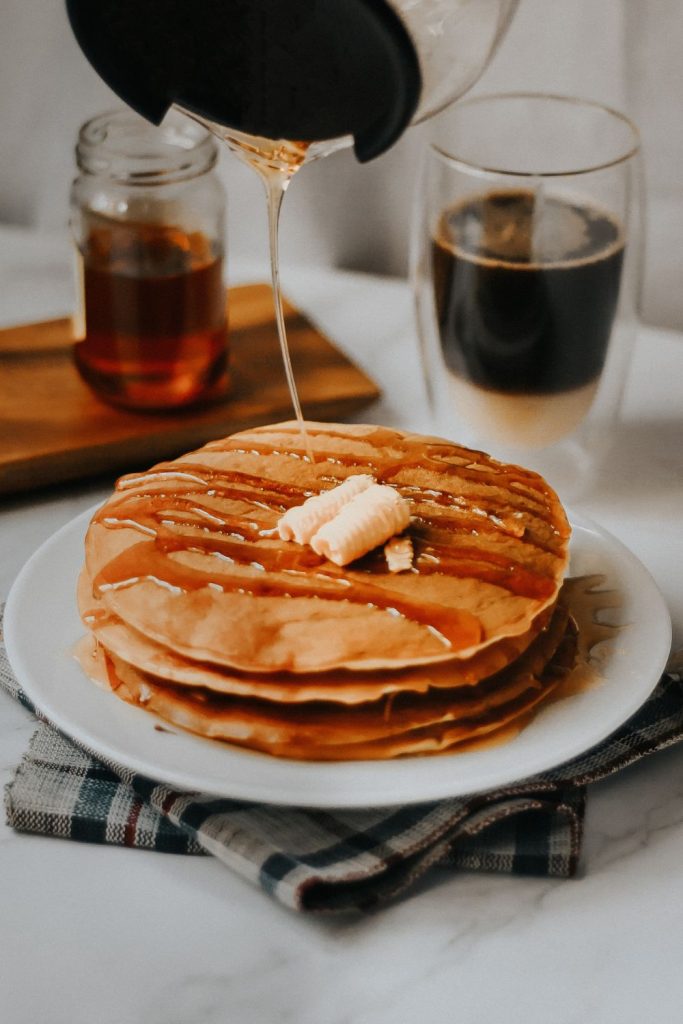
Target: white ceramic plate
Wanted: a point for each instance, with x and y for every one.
(42, 626)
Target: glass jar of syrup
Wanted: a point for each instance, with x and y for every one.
(148, 219)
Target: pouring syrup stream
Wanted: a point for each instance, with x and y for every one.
(275, 184)
(276, 162)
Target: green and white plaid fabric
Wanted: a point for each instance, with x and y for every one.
(329, 860)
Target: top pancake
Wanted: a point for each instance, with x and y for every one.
(187, 554)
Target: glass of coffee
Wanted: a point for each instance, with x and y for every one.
(526, 265)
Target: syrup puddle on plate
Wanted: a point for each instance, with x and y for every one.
(588, 599)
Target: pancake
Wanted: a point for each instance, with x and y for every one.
(201, 614)
(187, 556)
(388, 727)
(341, 685)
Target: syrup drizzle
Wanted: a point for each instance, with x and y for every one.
(227, 516)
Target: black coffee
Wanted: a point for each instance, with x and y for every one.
(526, 294)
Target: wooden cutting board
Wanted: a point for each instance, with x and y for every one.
(52, 428)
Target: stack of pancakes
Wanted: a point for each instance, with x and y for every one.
(200, 613)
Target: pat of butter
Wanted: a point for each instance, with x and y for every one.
(302, 522)
(370, 518)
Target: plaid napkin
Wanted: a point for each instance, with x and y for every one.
(329, 860)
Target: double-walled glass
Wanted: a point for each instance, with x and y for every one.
(526, 265)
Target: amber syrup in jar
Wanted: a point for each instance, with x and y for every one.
(148, 222)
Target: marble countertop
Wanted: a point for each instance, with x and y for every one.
(116, 936)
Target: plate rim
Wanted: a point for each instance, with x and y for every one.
(384, 792)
